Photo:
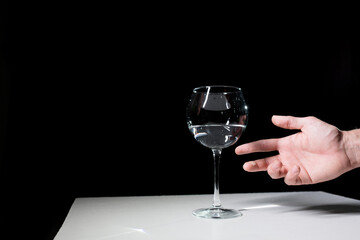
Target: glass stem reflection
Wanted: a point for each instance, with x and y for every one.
(217, 155)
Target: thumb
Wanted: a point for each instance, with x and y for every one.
(288, 122)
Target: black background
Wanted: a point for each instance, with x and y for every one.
(93, 99)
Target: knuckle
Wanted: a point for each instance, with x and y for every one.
(291, 121)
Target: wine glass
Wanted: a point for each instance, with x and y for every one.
(217, 116)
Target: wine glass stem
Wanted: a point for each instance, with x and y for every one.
(217, 155)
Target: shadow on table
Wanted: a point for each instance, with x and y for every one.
(333, 209)
(304, 201)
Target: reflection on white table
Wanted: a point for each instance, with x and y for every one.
(286, 215)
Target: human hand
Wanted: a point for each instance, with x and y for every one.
(315, 154)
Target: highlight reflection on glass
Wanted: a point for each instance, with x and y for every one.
(217, 116)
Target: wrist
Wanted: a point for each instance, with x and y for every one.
(351, 141)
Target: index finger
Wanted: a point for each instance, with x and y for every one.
(266, 145)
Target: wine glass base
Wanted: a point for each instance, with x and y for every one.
(216, 213)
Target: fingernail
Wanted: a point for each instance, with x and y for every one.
(248, 165)
(275, 116)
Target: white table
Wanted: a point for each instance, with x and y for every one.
(287, 215)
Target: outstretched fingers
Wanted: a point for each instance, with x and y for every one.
(267, 145)
(275, 169)
(290, 122)
(273, 165)
(261, 164)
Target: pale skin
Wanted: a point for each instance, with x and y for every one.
(319, 152)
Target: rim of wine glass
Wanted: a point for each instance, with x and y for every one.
(237, 89)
